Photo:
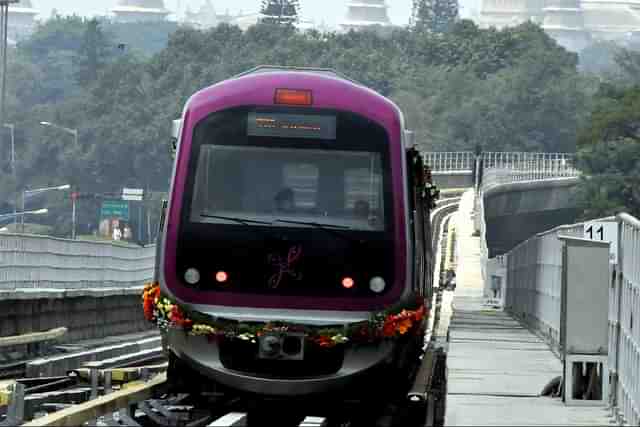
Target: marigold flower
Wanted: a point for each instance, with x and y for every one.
(404, 326)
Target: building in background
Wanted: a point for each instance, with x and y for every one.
(140, 11)
(573, 23)
(204, 18)
(22, 21)
(365, 13)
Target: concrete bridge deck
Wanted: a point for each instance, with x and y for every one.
(497, 368)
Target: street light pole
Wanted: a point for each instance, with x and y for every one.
(12, 129)
(74, 196)
(4, 24)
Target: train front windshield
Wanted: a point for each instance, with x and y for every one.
(281, 175)
(268, 184)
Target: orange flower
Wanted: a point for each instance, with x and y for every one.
(148, 309)
(151, 292)
(404, 326)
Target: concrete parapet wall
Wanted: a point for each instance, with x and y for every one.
(453, 180)
(30, 261)
(514, 212)
(88, 314)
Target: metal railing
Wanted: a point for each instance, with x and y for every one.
(43, 262)
(506, 168)
(624, 331)
(543, 163)
(526, 161)
(443, 162)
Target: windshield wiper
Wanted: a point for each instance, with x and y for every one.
(329, 228)
(247, 222)
(243, 221)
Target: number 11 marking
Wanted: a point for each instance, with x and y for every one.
(600, 230)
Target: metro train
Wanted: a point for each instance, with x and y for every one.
(292, 256)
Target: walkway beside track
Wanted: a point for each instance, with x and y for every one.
(497, 368)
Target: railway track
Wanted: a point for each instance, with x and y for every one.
(139, 397)
(146, 404)
(13, 370)
(105, 395)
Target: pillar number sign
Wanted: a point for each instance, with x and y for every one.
(604, 231)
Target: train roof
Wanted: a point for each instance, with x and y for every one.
(276, 68)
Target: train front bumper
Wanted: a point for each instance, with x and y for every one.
(203, 356)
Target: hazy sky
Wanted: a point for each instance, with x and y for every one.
(331, 11)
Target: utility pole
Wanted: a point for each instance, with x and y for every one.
(4, 24)
(74, 197)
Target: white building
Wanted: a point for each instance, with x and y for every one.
(140, 11)
(573, 23)
(204, 18)
(365, 13)
(22, 20)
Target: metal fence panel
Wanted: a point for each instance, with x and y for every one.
(624, 330)
(45, 262)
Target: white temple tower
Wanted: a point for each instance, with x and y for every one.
(140, 11)
(364, 13)
(574, 24)
(509, 13)
(21, 20)
(564, 21)
(204, 18)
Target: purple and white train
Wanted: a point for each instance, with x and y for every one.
(295, 198)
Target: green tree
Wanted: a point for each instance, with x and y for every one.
(92, 54)
(280, 11)
(434, 16)
(609, 145)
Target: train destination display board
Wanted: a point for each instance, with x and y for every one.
(292, 125)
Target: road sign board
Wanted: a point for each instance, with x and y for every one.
(135, 194)
(115, 209)
(604, 231)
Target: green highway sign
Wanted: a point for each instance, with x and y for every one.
(115, 209)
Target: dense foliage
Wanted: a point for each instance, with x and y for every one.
(609, 146)
(514, 89)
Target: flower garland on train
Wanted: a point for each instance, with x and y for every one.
(392, 323)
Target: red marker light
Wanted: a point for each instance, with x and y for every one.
(221, 276)
(293, 97)
(348, 282)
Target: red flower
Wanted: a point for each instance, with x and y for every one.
(324, 341)
(177, 317)
(389, 328)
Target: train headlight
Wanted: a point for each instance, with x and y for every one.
(348, 283)
(221, 276)
(192, 276)
(377, 284)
